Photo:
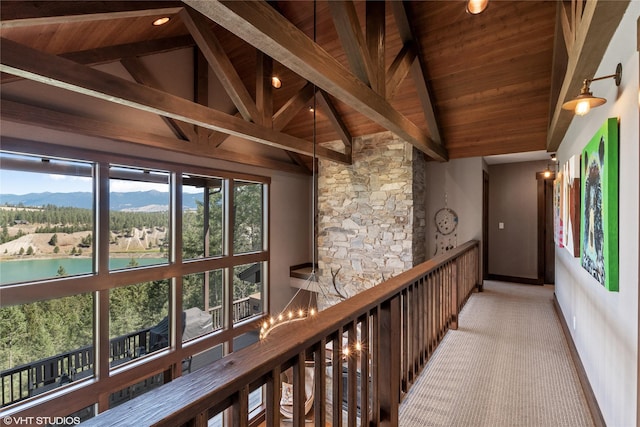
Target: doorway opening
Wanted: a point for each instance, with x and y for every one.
(546, 243)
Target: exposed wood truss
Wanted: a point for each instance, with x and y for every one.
(220, 63)
(56, 71)
(261, 26)
(417, 69)
(55, 120)
(115, 53)
(587, 29)
(56, 12)
(424, 70)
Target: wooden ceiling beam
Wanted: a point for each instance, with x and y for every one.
(376, 37)
(594, 29)
(65, 122)
(142, 75)
(289, 110)
(418, 72)
(568, 32)
(264, 89)
(59, 72)
(261, 26)
(201, 91)
(345, 19)
(27, 13)
(400, 68)
(334, 117)
(115, 53)
(212, 49)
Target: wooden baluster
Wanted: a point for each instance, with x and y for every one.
(405, 353)
(352, 375)
(450, 284)
(374, 344)
(272, 405)
(415, 332)
(454, 295)
(430, 314)
(421, 322)
(200, 420)
(336, 371)
(389, 369)
(299, 395)
(364, 370)
(320, 384)
(438, 304)
(240, 408)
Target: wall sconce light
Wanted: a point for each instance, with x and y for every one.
(554, 158)
(584, 102)
(276, 82)
(474, 7)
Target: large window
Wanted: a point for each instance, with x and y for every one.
(203, 216)
(108, 262)
(139, 203)
(138, 320)
(44, 345)
(202, 298)
(248, 233)
(46, 215)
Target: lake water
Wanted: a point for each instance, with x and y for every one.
(38, 269)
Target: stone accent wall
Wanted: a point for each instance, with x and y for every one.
(371, 216)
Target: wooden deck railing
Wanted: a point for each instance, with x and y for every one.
(367, 352)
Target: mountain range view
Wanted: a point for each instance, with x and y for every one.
(137, 201)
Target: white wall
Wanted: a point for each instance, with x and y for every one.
(458, 184)
(605, 330)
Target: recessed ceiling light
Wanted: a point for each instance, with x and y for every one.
(276, 82)
(161, 21)
(475, 7)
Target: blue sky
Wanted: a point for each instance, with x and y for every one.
(13, 182)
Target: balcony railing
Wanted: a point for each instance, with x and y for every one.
(364, 354)
(31, 379)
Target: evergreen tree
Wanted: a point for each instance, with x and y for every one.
(13, 327)
(61, 271)
(29, 250)
(54, 240)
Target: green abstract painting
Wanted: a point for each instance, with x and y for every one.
(599, 210)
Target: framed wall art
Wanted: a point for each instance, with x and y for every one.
(571, 177)
(558, 210)
(599, 208)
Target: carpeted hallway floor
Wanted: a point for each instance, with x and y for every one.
(508, 364)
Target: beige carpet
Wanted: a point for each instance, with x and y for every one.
(507, 365)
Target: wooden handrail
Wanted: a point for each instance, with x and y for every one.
(424, 302)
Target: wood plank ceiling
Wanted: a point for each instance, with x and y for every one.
(452, 84)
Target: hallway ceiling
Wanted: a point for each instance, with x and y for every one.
(454, 85)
